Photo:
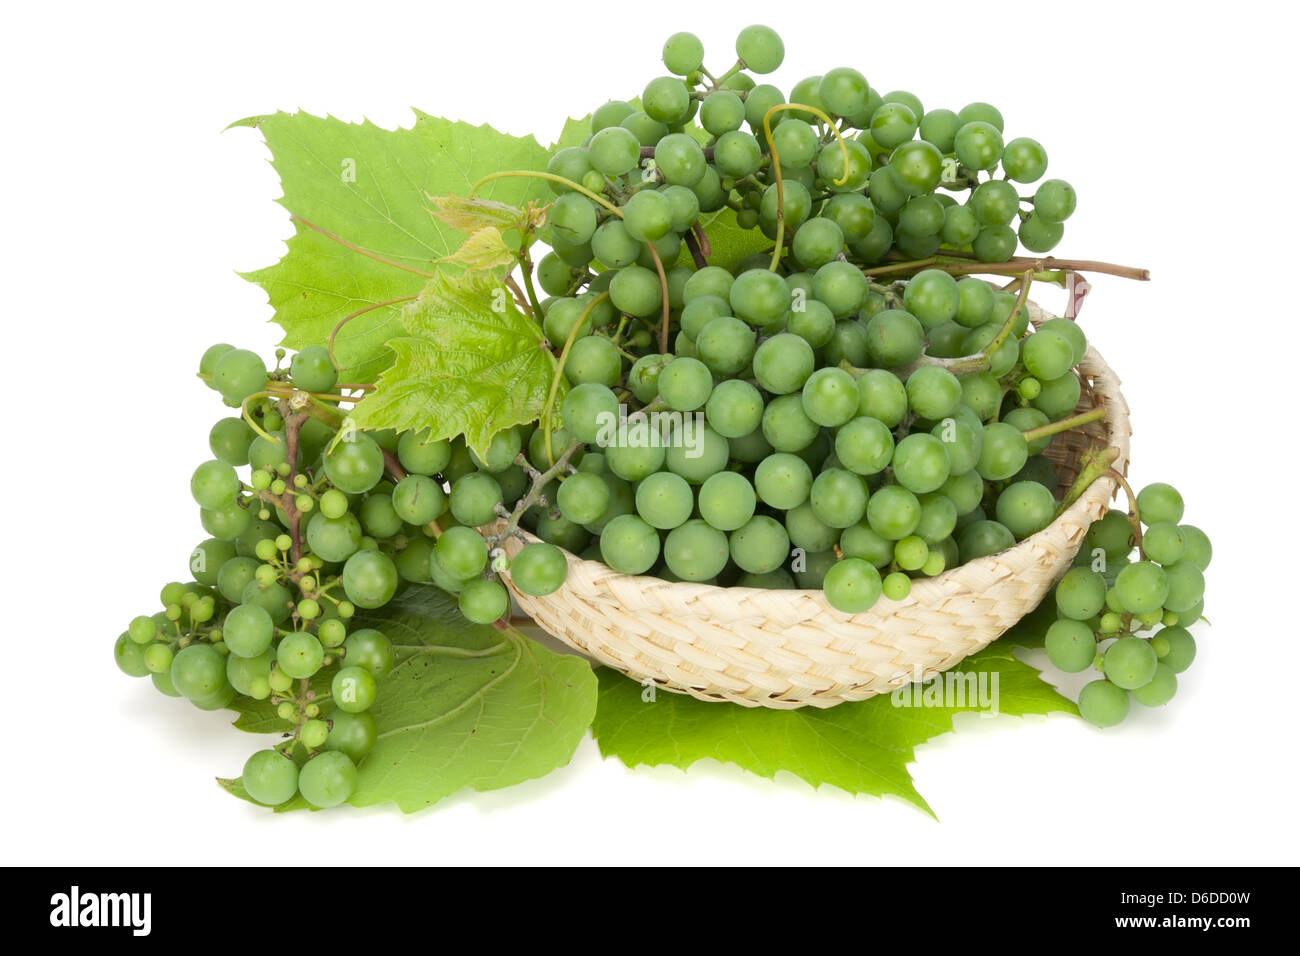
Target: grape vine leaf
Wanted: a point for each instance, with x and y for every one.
(728, 242)
(235, 787)
(363, 235)
(467, 705)
(861, 747)
(472, 365)
(573, 133)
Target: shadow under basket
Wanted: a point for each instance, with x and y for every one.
(789, 648)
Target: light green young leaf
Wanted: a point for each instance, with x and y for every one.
(860, 747)
(467, 705)
(471, 215)
(473, 365)
(483, 251)
(363, 234)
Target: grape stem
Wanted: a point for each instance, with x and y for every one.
(1016, 264)
(694, 247)
(536, 492)
(1065, 424)
(359, 250)
(534, 309)
(663, 288)
(1134, 515)
(293, 422)
(352, 315)
(550, 178)
(1093, 465)
(776, 169)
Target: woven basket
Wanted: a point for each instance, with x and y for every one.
(787, 649)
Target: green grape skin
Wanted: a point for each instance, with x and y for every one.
(500, 453)
(864, 445)
(978, 145)
(994, 244)
(1141, 587)
(814, 323)
(1038, 234)
(852, 585)
(1080, 594)
(1163, 543)
(938, 518)
(882, 396)
(737, 154)
(815, 567)
(1004, 452)
(709, 281)
(417, 499)
(583, 497)
(860, 541)
(964, 491)
(807, 531)
(817, 242)
(933, 392)
(369, 649)
(370, 579)
(666, 99)
(208, 557)
(1160, 502)
(892, 124)
(1112, 533)
(198, 672)
(664, 500)
(685, 384)
(734, 408)
(680, 160)
(932, 297)
(234, 577)
(841, 286)
(921, 463)
(830, 397)
(695, 551)
(474, 499)
(911, 552)
(1059, 396)
(610, 113)
(995, 203)
(352, 734)
(633, 460)
(412, 561)
(239, 374)
(759, 546)
(1070, 645)
(1186, 586)
(1070, 329)
(844, 91)
(982, 112)
(629, 545)
(1197, 547)
(130, 657)
(722, 112)
(795, 203)
(960, 226)
(783, 363)
(683, 53)
(1026, 508)
(848, 343)
(250, 675)
(270, 778)
(229, 440)
(974, 303)
(842, 177)
(209, 360)
(894, 338)
(378, 517)
(635, 289)
(571, 163)
(853, 213)
(1181, 648)
(1130, 663)
(267, 454)
(979, 539)
(699, 312)
(1103, 704)
(226, 523)
(588, 410)
(838, 498)
(312, 369)
(783, 480)
(614, 151)
(940, 128)
(795, 142)
(214, 485)
(327, 779)
(962, 439)
(896, 586)
(353, 689)
(785, 425)
(893, 512)
(760, 48)
(248, 630)
(696, 451)
(299, 655)
(334, 539)
(1055, 200)
(1160, 689)
(1047, 354)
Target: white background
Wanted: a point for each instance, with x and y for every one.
(127, 211)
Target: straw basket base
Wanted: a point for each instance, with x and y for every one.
(787, 649)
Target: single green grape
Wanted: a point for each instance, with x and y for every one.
(1130, 663)
(759, 546)
(1103, 704)
(852, 585)
(1071, 645)
(695, 551)
(327, 779)
(270, 778)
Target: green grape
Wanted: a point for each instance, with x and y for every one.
(893, 512)
(760, 48)
(962, 439)
(709, 281)
(702, 310)
(1197, 547)
(313, 370)
(198, 672)
(270, 778)
(911, 552)
(918, 165)
(1055, 200)
(334, 504)
(614, 246)
(786, 426)
(1080, 594)
(892, 124)
(807, 531)
(268, 454)
(960, 226)
(982, 112)
(539, 569)
(1160, 689)
(1186, 586)
(327, 779)
(1038, 234)
(994, 244)
(964, 491)
(940, 128)
(974, 303)
(1047, 354)
(335, 539)
(722, 112)
(794, 201)
(1141, 587)
(814, 323)
(848, 344)
(979, 539)
(734, 408)
(633, 460)
(158, 658)
(841, 286)
(1164, 543)
(666, 100)
(571, 163)
(353, 689)
(696, 452)
(229, 440)
(830, 396)
(1112, 533)
(894, 338)
(978, 145)
(737, 154)
(938, 518)
(759, 297)
(1181, 648)
(248, 630)
(844, 91)
(683, 53)
(852, 585)
(474, 499)
(636, 289)
(1160, 502)
(369, 649)
(214, 485)
(356, 464)
(932, 297)
(686, 210)
(1004, 452)
(864, 445)
(129, 656)
(417, 499)
(815, 567)
(995, 203)
(921, 463)
(1059, 396)
(1026, 508)
(629, 545)
(853, 213)
(881, 395)
(818, 241)
(210, 358)
(643, 377)
(783, 363)
(1130, 663)
(645, 130)
(760, 545)
(896, 586)
(238, 375)
(554, 275)
(796, 142)
(163, 683)
(207, 559)
(370, 579)
(680, 159)
(727, 501)
(860, 541)
(226, 523)
(299, 655)
(685, 384)
(378, 517)
(583, 498)
(1103, 704)
(250, 675)
(352, 734)
(664, 500)
(783, 480)
(588, 410)
(499, 455)
(933, 392)
(1070, 645)
(234, 577)
(695, 551)
(614, 151)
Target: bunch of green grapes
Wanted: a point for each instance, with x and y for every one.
(1128, 618)
(298, 546)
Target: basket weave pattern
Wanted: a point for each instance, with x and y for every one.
(787, 649)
